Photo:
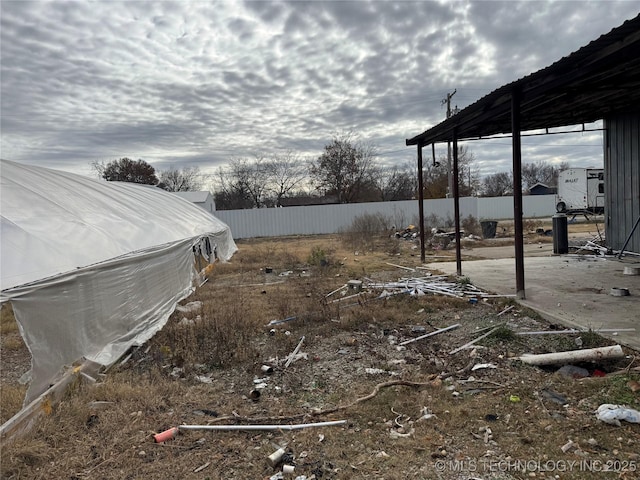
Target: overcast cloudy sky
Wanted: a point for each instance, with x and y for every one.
(196, 83)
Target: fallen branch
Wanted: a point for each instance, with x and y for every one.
(375, 391)
(462, 371)
(317, 413)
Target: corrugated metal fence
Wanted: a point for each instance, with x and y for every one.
(323, 219)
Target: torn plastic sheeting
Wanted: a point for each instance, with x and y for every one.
(99, 313)
(92, 267)
(54, 222)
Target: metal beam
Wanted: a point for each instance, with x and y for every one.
(421, 203)
(517, 192)
(456, 202)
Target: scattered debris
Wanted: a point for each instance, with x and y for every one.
(202, 467)
(276, 457)
(278, 322)
(570, 445)
(191, 307)
(553, 396)
(435, 284)
(612, 414)
(203, 379)
(377, 371)
(633, 385)
(602, 353)
(393, 433)
(426, 414)
(480, 366)
(166, 435)
(573, 372)
(293, 354)
(619, 292)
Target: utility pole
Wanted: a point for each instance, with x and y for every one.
(447, 102)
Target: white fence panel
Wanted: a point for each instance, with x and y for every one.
(324, 219)
(501, 208)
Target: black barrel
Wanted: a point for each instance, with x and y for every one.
(488, 228)
(560, 234)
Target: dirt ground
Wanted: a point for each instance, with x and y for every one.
(424, 410)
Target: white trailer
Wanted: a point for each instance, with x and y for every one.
(580, 190)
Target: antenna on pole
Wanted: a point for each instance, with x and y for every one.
(447, 101)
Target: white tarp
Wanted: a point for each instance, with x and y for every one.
(92, 267)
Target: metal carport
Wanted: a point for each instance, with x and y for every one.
(599, 80)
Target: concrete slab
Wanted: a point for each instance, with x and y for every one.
(573, 290)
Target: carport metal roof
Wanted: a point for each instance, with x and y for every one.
(599, 79)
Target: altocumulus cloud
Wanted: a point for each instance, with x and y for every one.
(197, 83)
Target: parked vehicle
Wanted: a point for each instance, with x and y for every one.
(580, 190)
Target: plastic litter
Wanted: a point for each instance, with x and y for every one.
(612, 414)
(573, 371)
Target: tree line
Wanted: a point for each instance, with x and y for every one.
(347, 171)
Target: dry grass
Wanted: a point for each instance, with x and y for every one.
(8, 322)
(161, 385)
(11, 399)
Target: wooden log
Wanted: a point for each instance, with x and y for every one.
(22, 421)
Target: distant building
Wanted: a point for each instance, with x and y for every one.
(202, 199)
(542, 189)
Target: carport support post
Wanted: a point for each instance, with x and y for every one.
(517, 192)
(456, 202)
(421, 203)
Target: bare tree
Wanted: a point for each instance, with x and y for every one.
(231, 192)
(497, 185)
(126, 170)
(345, 167)
(541, 172)
(397, 183)
(244, 182)
(185, 180)
(286, 173)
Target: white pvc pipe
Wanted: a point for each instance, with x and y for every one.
(573, 330)
(261, 427)
(589, 354)
(429, 334)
